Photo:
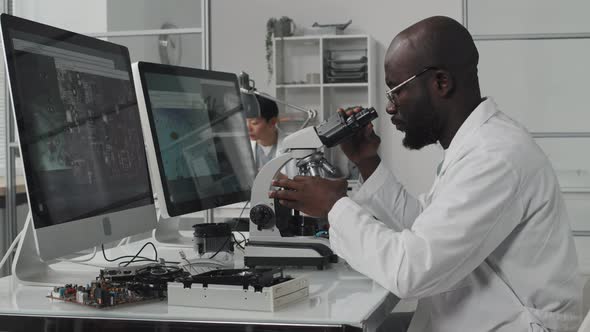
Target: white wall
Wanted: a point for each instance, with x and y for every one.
(75, 15)
(528, 16)
(151, 15)
(238, 31)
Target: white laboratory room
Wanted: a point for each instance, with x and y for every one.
(306, 166)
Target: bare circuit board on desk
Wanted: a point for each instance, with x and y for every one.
(119, 286)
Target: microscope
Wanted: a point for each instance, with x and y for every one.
(276, 232)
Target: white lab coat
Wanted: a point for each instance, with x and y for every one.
(489, 248)
(290, 169)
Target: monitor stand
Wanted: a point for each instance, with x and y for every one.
(167, 232)
(29, 269)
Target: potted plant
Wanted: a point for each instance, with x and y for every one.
(282, 27)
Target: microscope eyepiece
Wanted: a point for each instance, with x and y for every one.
(338, 127)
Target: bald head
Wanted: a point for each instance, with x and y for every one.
(431, 108)
(436, 41)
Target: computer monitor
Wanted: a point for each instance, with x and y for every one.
(80, 137)
(197, 141)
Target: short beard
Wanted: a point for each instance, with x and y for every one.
(422, 127)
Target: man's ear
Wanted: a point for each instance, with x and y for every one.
(444, 82)
(273, 121)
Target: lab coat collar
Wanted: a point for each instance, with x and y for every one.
(480, 115)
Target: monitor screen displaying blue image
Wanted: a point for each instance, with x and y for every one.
(200, 137)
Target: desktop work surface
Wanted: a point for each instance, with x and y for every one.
(340, 299)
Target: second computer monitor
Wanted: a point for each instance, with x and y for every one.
(196, 137)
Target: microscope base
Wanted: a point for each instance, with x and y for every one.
(261, 254)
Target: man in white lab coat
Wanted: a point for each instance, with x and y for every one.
(489, 247)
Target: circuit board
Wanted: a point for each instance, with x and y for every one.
(103, 294)
(119, 286)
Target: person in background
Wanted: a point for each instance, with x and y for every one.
(265, 136)
(489, 247)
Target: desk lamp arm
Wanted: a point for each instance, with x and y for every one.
(248, 86)
(311, 114)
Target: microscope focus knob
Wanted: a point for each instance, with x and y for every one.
(262, 215)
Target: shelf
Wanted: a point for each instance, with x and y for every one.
(281, 39)
(317, 37)
(297, 86)
(344, 36)
(346, 85)
(298, 58)
(327, 85)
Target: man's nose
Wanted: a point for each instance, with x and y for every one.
(390, 108)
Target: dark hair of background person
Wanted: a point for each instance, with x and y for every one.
(268, 108)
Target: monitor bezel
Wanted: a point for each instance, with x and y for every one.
(169, 208)
(74, 235)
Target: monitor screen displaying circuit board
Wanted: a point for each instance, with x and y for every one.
(80, 137)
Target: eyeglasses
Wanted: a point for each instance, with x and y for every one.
(390, 93)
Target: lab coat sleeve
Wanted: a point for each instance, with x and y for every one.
(470, 216)
(387, 200)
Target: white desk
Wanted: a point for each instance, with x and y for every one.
(340, 299)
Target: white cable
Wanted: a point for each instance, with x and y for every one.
(11, 248)
(206, 261)
(202, 263)
(190, 266)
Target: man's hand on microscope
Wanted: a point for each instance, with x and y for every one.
(311, 195)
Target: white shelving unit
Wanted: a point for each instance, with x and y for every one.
(300, 79)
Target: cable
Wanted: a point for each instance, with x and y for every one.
(11, 248)
(236, 241)
(140, 250)
(236, 225)
(207, 261)
(127, 263)
(244, 208)
(190, 266)
(220, 247)
(239, 243)
(118, 258)
(203, 263)
(183, 256)
(199, 261)
(133, 258)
